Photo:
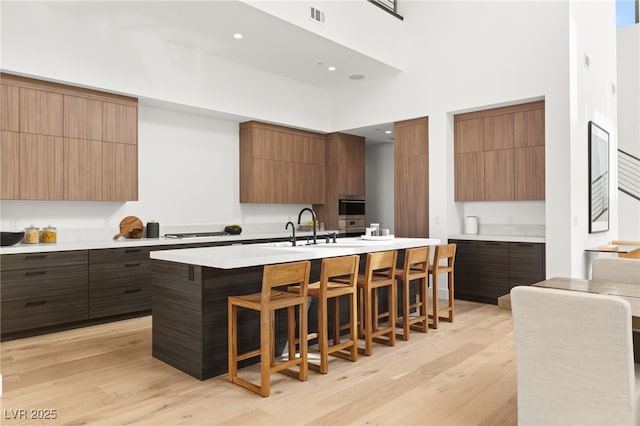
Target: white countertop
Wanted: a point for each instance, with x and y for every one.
(507, 238)
(231, 257)
(140, 242)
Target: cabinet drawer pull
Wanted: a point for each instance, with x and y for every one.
(34, 273)
(492, 243)
(525, 245)
(36, 303)
(132, 250)
(135, 290)
(132, 265)
(35, 256)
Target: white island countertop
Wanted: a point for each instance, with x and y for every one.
(231, 257)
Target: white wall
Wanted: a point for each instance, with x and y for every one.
(474, 55)
(628, 93)
(379, 184)
(189, 175)
(353, 24)
(40, 39)
(591, 100)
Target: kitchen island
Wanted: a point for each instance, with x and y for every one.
(190, 289)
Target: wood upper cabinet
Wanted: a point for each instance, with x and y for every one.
(41, 167)
(60, 132)
(119, 123)
(499, 175)
(41, 112)
(529, 173)
(510, 167)
(280, 165)
(119, 171)
(469, 173)
(498, 132)
(82, 118)
(529, 127)
(9, 165)
(469, 135)
(9, 108)
(411, 178)
(83, 169)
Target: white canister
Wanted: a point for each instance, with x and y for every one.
(471, 225)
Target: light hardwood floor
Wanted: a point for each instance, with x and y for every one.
(461, 374)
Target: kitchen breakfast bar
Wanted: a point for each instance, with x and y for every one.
(191, 286)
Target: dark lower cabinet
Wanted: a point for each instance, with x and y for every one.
(119, 281)
(36, 293)
(486, 270)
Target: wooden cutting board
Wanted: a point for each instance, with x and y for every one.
(130, 227)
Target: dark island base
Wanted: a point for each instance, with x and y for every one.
(190, 314)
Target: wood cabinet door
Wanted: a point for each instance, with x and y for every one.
(498, 132)
(119, 123)
(526, 263)
(499, 175)
(83, 169)
(529, 128)
(9, 165)
(283, 147)
(40, 112)
(468, 135)
(413, 134)
(119, 172)
(82, 118)
(411, 187)
(9, 108)
(41, 167)
(466, 270)
(529, 173)
(469, 176)
(493, 269)
(262, 143)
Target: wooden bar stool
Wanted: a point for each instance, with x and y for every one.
(345, 269)
(443, 252)
(415, 269)
(380, 272)
(267, 302)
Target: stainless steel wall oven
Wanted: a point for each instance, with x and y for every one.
(351, 215)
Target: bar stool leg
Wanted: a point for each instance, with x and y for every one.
(393, 312)
(304, 343)
(434, 283)
(353, 310)
(405, 309)
(323, 339)
(368, 322)
(336, 320)
(265, 352)
(450, 282)
(233, 341)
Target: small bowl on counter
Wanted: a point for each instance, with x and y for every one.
(10, 238)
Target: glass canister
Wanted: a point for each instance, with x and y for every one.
(32, 235)
(49, 234)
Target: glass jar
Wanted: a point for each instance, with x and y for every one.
(49, 234)
(32, 235)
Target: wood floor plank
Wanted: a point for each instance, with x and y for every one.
(461, 374)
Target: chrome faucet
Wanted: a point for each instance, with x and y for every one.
(293, 230)
(315, 219)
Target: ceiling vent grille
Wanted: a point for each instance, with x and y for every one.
(316, 14)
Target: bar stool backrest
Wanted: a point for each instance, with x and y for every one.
(345, 268)
(444, 251)
(383, 263)
(416, 260)
(284, 274)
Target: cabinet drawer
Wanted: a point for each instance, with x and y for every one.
(119, 288)
(120, 254)
(42, 283)
(18, 315)
(43, 259)
(526, 263)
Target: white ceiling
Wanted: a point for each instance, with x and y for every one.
(269, 43)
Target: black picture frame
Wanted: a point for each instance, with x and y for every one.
(599, 182)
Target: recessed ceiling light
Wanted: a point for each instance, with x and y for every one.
(320, 64)
(356, 77)
(237, 36)
(331, 68)
(388, 132)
